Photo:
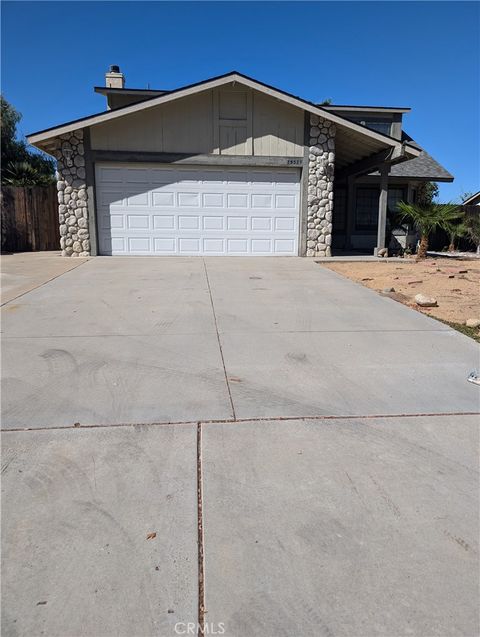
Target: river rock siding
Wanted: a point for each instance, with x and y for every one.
(321, 162)
(72, 195)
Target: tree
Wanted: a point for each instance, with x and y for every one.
(19, 165)
(428, 218)
(427, 191)
(457, 231)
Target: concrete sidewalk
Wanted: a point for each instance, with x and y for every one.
(77, 506)
(353, 528)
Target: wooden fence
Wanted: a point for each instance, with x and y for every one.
(29, 218)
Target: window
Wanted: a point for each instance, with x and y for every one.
(339, 209)
(394, 196)
(380, 125)
(366, 209)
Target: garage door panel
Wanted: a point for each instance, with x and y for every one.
(164, 245)
(284, 246)
(163, 199)
(168, 211)
(136, 222)
(213, 200)
(213, 223)
(188, 199)
(286, 201)
(213, 246)
(137, 199)
(239, 246)
(237, 223)
(189, 222)
(261, 223)
(164, 222)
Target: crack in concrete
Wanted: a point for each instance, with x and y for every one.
(219, 341)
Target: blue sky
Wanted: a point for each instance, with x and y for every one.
(419, 54)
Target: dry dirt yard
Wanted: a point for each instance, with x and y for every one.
(455, 285)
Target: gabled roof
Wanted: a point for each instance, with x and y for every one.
(234, 76)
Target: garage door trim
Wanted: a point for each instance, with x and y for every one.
(167, 209)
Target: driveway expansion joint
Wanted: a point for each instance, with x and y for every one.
(201, 543)
(57, 276)
(234, 421)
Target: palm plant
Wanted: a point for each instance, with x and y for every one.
(472, 227)
(22, 173)
(427, 218)
(457, 231)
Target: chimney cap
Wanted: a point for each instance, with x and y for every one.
(114, 68)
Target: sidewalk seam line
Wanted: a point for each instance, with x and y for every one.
(44, 283)
(238, 421)
(201, 537)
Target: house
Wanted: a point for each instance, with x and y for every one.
(231, 166)
(473, 200)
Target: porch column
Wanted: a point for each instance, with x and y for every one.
(382, 208)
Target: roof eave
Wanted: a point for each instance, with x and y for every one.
(91, 120)
(473, 200)
(373, 109)
(105, 90)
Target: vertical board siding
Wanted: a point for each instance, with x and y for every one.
(229, 121)
(29, 217)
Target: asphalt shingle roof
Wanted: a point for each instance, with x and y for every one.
(422, 167)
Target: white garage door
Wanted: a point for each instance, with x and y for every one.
(163, 210)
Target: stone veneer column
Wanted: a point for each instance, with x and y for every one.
(321, 162)
(72, 195)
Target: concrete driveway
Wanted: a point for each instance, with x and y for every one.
(331, 432)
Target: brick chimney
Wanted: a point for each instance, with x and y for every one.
(114, 78)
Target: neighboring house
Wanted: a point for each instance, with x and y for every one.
(473, 200)
(230, 166)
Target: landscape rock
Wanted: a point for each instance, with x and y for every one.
(472, 322)
(425, 301)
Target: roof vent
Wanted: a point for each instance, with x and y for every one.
(114, 78)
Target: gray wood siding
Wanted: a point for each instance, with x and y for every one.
(277, 127)
(232, 121)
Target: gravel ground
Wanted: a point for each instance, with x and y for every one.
(455, 285)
